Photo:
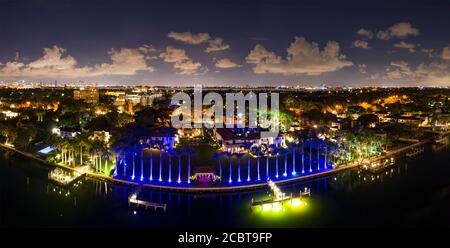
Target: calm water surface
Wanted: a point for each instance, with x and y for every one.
(415, 192)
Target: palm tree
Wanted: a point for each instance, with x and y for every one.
(106, 155)
(83, 141)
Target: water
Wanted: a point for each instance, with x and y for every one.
(413, 193)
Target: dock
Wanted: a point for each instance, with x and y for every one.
(133, 200)
(66, 178)
(279, 198)
(415, 152)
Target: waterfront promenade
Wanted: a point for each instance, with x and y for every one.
(224, 188)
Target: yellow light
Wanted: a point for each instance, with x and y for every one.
(276, 207)
(266, 207)
(296, 202)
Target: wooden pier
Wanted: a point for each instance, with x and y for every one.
(66, 178)
(133, 200)
(278, 196)
(415, 152)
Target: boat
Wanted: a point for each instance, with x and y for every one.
(415, 152)
(379, 165)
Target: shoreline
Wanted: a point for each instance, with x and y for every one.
(220, 189)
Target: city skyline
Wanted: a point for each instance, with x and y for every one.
(226, 43)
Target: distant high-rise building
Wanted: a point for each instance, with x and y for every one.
(89, 95)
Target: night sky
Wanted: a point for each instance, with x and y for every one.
(359, 43)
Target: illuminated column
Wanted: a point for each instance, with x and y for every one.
(170, 168)
(220, 168)
(151, 165)
(310, 157)
(248, 166)
(179, 168)
(160, 164)
(276, 166)
(303, 158)
(267, 165)
(293, 162)
(189, 168)
(132, 176)
(125, 166)
(239, 169)
(117, 165)
(257, 163)
(142, 165)
(230, 170)
(325, 158)
(285, 164)
(318, 156)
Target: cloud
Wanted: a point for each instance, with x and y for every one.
(446, 53)
(53, 63)
(187, 67)
(190, 38)
(399, 70)
(365, 32)
(434, 73)
(361, 44)
(172, 55)
(226, 63)
(403, 45)
(362, 68)
(302, 58)
(216, 45)
(181, 61)
(428, 51)
(400, 30)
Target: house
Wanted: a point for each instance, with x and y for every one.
(165, 136)
(204, 175)
(407, 119)
(66, 132)
(236, 140)
(189, 132)
(342, 124)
